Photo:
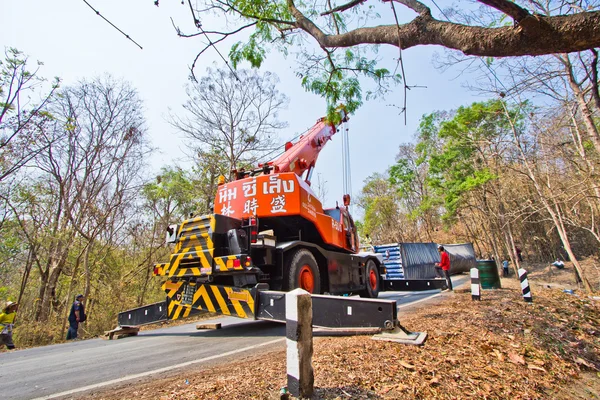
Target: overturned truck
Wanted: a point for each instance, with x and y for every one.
(410, 266)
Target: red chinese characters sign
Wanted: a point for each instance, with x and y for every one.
(261, 196)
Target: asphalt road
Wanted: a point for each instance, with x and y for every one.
(72, 368)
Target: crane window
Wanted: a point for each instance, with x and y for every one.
(333, 213)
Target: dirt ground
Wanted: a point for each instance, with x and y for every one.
(498, 348)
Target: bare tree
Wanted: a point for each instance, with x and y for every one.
(320, 188)
(21, 120)
(232, 114)
(86, 177)
(544, 188)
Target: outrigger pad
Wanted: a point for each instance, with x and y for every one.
(402, 336)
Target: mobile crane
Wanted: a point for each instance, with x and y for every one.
(270, 234)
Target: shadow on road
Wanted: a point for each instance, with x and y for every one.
(242, 329)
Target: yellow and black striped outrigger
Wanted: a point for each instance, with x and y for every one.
(226, 300)
(194, 256)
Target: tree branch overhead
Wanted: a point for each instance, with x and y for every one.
(557, 34)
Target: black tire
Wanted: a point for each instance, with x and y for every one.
(302, 268)
(372, 281)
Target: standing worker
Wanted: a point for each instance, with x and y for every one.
(444, 264)
(519, 253)
(505, 267)
(7, 320)
(76, 316)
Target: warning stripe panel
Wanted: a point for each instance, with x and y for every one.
(224, 300)
(201, 241)
(171, 287)
(159, 269)
(203, 223)
(193, 257)
(193, 251)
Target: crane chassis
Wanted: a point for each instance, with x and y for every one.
(270, 234)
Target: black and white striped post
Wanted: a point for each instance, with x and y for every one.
(475, 288)
(298, 316)
(525, 286)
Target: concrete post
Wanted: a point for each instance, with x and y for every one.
(475, 288)
(298, 315)
(525, 286)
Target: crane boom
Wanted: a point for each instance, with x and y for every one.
(301, 157)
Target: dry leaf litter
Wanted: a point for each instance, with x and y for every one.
(497, 348)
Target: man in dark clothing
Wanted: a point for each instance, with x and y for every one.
(76, 316)
(519, 255)
(444, 264)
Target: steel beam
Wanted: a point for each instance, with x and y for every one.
(413, 285)
(333, 311)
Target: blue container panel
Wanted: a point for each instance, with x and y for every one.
(394, 276)
(392, 261)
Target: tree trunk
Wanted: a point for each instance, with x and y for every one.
(26, 272)
(41, 294)
(56, 265)
(586, 113)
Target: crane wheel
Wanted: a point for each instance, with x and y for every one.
(303, 272)
(372, 281)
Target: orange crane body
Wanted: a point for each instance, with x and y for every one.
(269, 234)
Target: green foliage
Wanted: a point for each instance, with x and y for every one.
(250, 51)
(335, 76)
(340, 83)
(588, 145)
(380, 204)
(402, 175)
(455, 150)
(336, 89)
(173, 193)
(265, 16)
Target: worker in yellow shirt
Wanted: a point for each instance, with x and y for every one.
(7, 320)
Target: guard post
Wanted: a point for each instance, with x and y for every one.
(298, 329)
(475, 288)
(525, 286)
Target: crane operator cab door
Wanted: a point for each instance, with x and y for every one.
(349, 228)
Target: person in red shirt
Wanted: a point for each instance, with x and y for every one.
(444, 264)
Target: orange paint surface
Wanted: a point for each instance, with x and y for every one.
(283, 194)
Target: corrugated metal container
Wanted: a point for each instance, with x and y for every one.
(392, 260)
(462, 257)
(417, 260)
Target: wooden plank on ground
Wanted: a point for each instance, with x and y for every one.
(121, 332)
(208, 326)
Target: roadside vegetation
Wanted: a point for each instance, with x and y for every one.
(80, 208)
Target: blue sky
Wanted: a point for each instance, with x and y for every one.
(74, 43)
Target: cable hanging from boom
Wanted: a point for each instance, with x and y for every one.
(346, 170)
